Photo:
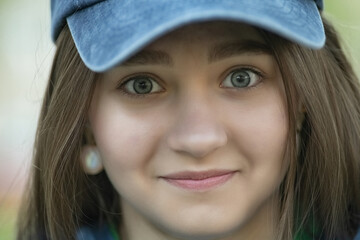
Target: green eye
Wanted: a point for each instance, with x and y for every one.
(241, 78)
(141, 85)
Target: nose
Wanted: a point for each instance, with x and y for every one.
(197, 131)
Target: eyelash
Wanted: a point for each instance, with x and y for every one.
(250, 70)
(122, 86)
(131, 91)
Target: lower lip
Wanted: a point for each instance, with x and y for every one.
(201, 184)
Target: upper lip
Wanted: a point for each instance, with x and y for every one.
(194, 175)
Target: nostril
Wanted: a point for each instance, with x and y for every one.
(197, 144)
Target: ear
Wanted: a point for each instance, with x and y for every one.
(300, 118)
(90, 160)
(299, 124)
(88, 135)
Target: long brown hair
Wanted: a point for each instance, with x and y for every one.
(321, 194)
(60, 196)
(321, 190)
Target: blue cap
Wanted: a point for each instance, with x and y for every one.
(106, 32)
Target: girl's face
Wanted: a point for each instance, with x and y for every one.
(192, 133)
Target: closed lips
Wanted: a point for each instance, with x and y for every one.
(199, 180)
(197, 175)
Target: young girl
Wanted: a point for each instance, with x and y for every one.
(195, 120)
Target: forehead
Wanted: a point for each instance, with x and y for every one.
(210, 32)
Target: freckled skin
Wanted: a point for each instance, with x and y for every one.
(195, 124)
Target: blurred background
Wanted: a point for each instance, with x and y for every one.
(26, 52)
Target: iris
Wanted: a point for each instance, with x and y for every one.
(240, 79)
(142, 85)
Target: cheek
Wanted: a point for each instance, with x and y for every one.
(260, 132)
(265, 131)
(125, 140)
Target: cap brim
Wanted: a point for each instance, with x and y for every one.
(109, 32)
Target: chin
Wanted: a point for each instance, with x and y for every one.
(208, 234)
(202, 229)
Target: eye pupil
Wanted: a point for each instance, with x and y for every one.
(240, 79)
(142, 86)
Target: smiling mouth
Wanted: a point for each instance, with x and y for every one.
(199, 181)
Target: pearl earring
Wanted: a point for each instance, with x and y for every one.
(91, 161)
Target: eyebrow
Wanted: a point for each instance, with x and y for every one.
(216, 53)
(231, 49)
(149, 57)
